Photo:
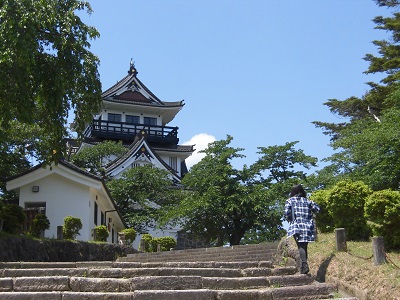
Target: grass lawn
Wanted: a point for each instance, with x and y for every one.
(355, 267)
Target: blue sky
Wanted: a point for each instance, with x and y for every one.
(258, 70)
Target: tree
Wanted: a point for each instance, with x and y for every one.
(141, 194)
(223, 204)
(367, 141)
(46, 70)
(94, 158)
(13, 218)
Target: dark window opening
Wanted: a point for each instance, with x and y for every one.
(132, 119)
(114, 117)
(150, 121)
(96, 212)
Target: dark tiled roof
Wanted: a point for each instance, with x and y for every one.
(131, 90)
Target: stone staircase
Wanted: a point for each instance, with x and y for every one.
(221, 273)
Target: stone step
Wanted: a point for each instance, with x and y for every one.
(118, 264)
(234, 253)
(84, 284)
(143, 271)
(320, 291)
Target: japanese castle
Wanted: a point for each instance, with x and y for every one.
(131, 113)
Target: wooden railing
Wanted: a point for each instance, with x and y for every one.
(128, 131)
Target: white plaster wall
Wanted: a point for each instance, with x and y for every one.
(63, 198)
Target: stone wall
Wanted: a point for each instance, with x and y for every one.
(23, 249)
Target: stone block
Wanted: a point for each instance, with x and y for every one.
(31, 284)
(6, 284)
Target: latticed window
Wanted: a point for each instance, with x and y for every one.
(173, 163)
(132, 119)
(114, 117)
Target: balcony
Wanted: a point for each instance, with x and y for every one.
(127, 131)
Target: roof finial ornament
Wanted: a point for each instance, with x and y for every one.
(132, 69)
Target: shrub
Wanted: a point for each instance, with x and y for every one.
(14, 217)
(346, 206)
(382, 210)
(130, 235)
(101, 233)
(323, 219)
(39, 224)
(71, 228)
(147, 238)
(166, 242)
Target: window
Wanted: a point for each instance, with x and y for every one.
(103, 222)
(96, 210)
(150, 121)
(114, 117)
(132, 119)
(135, 165)
(173, 163)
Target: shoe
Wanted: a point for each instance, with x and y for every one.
(304, 268)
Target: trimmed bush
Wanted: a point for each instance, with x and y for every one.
(323, 219)
(346, 206)
(101, 233)
(130, 235)
(382, 210)
(147, 242)
(166, 242)
(39, 224)
(71, 228)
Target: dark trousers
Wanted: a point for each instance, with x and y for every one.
(302, 246)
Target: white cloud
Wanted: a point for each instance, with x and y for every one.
(201, 142)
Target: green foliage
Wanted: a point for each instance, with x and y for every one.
(71, 228)
(166, 242)
(14, 217)
(101, 233)
(224, 204)
(14, 148)
(147, 238)
(324, 220)
(142, 193)
(346, 206)
(46, 69)
(130, 235)
(94, 158)
(368, 139)
(382, 210)
(39, 224)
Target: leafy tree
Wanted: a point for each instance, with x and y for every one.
(46, 69)
(71, 228)
(141, 195)
(223, 203)
(15, 148)
(13, 217)
(367, 140)
(94, 158)
(39, 224)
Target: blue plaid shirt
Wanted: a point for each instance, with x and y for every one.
(302, 227)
